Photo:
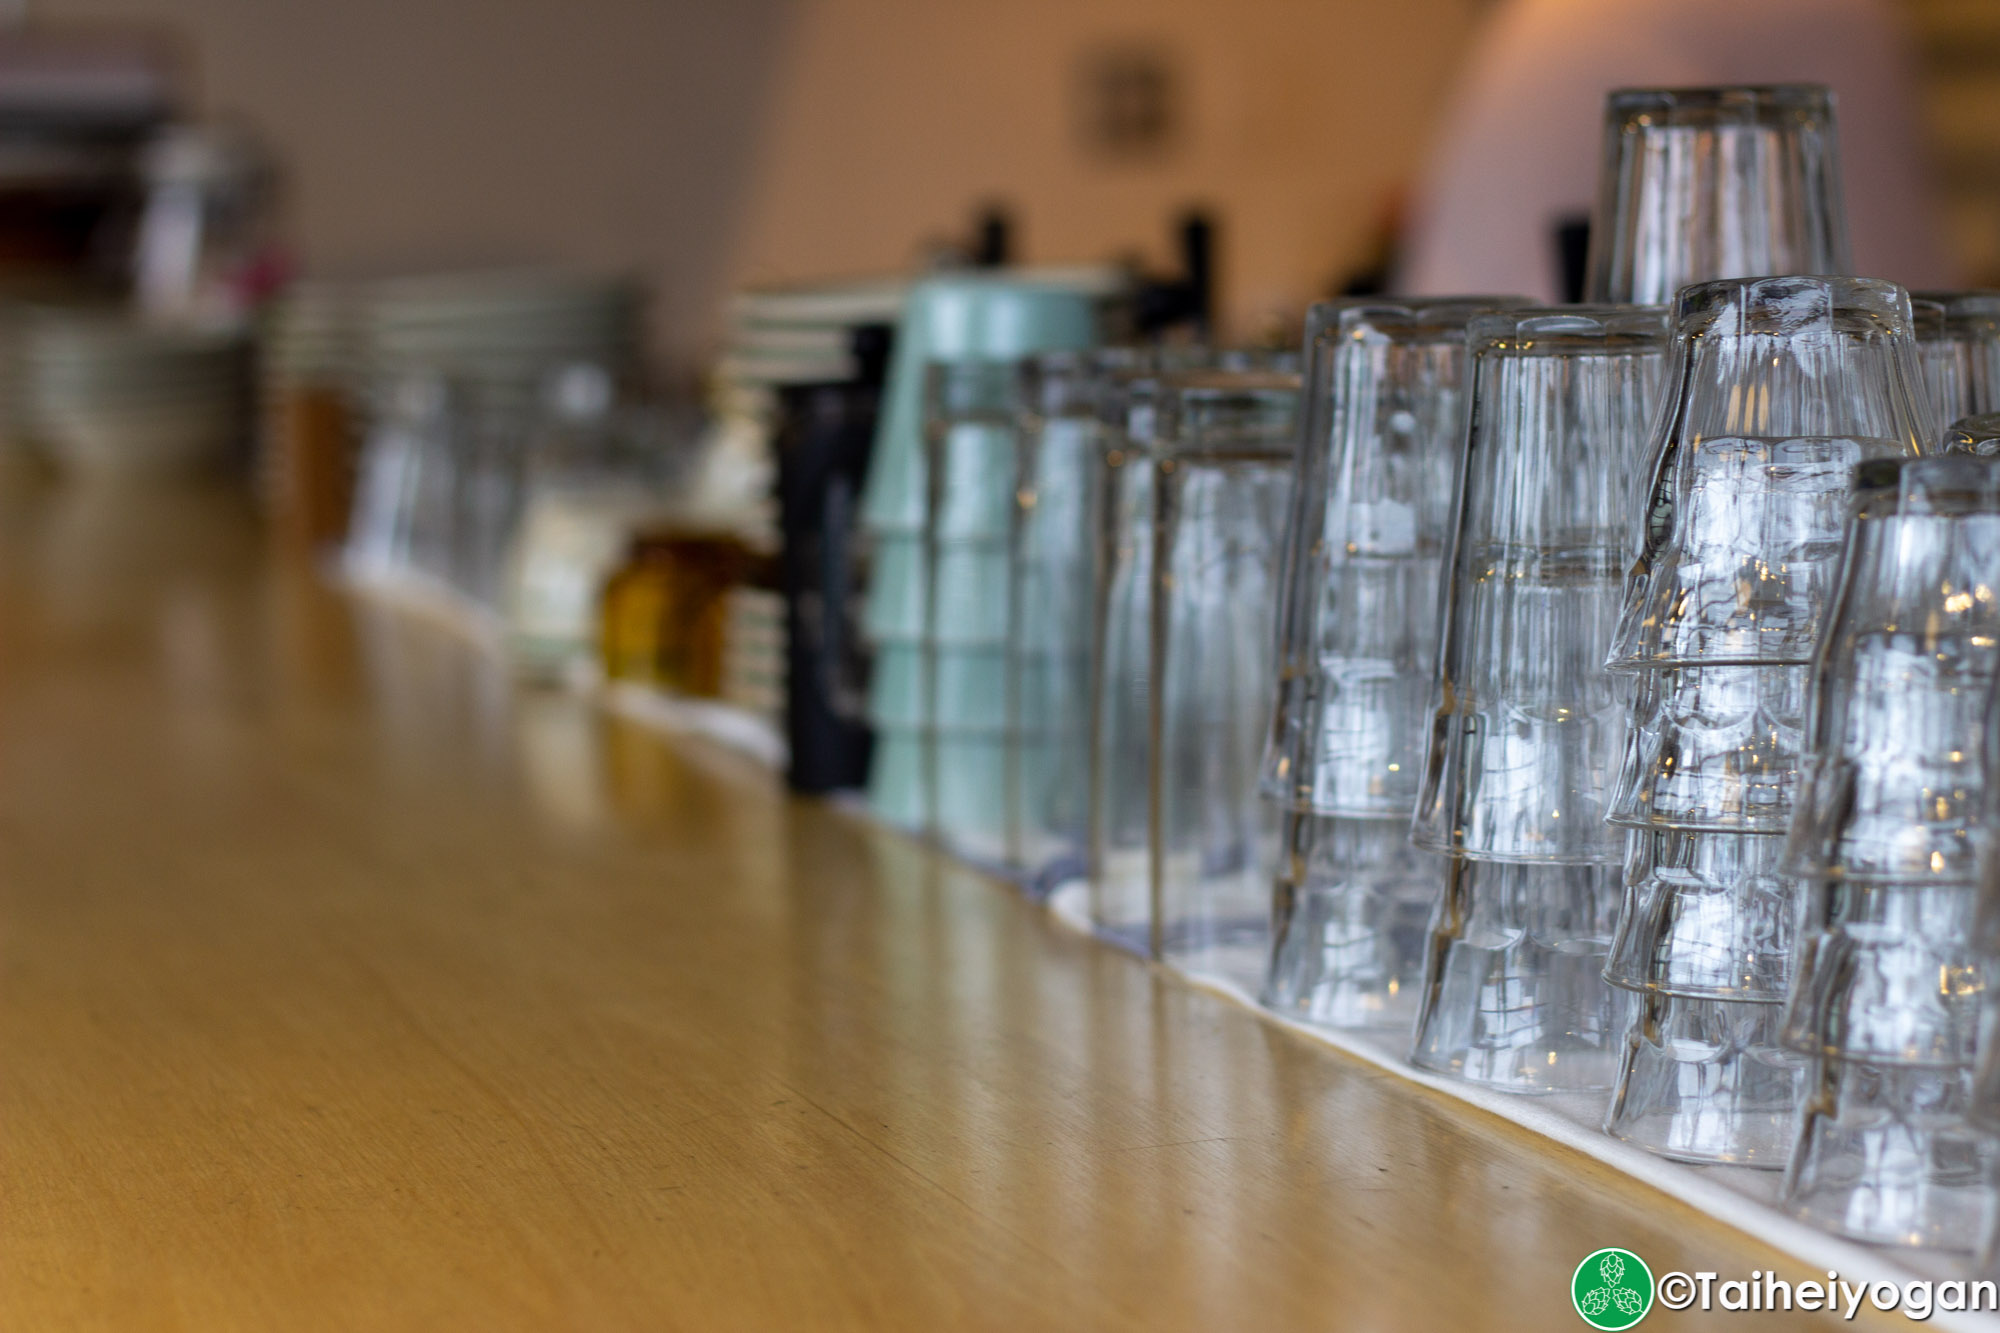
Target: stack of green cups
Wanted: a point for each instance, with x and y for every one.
(937, 509)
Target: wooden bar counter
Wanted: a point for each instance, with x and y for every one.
(345, 986)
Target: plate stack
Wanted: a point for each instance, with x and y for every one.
(106, 395)
(496, 335)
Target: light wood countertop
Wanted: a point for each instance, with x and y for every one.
(342, 986)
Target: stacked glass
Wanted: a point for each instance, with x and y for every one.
(939, 626)
(1221, 494)
(1121, 530)
(1704, 183)
(1960, 336)
(1129, 394)
(1527, 724)
(1357, 637)
(1051, 609)
(1885, 840)
(1781, 387)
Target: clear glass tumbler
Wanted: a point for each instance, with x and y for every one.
(1121, 642)
(1514, 995)
(1222, 491)
(1783, 386)
(1961, 352)
(972, 419)
(1706, 1081)
(1371, 514)
(1894, 791)
(1385, 421)
(1052, 612)
(1705, 183)
(1526, 724)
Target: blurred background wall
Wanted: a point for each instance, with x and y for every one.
(710, 143)
(610, 134)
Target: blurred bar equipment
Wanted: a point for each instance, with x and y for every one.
(1738, 553)
(1384, 421)
(941, 769)
(454, 369)
(827, 430)
(1527, 726)
(1887, 839)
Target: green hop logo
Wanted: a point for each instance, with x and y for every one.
(1612, 1289)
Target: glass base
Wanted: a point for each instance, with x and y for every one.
(1705, 1081)
(1705, 914)
(1885, 1156)
(1509, 1002)
(1354, 899)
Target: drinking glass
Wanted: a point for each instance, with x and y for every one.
(1350, 915)
(1888, 974)
(1961, 351)
(1122, 523)
(957, 678)
(1717, 748)
(1221, 490)
(952, 319)
(1893, 791)
(1514, 995)
(1705, 183)
(1887, 1154)
(1706, 1081)
(405, 507)
(1527, 726)
(1707, 915)
(1371, 514)
(1385, 420)
(1784, 385)
(1120, 713)
(979, 320)
(1053, 571)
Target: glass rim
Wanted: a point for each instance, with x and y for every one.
(1963, 311)
(1567, 329)
(1403, 319)
(1842, 296)
(1942, 484)
(1751, 98)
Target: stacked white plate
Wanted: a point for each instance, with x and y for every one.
(105, 394)
(498, 334)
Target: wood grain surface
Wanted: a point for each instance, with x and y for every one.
(344, 986)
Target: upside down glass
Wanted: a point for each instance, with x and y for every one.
(1526, 724)
(1783, 387)
(1705, 183)
(1221, 494)
(1384, 419)
(1052, 566)
(1894, 790)
(1961, 352)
